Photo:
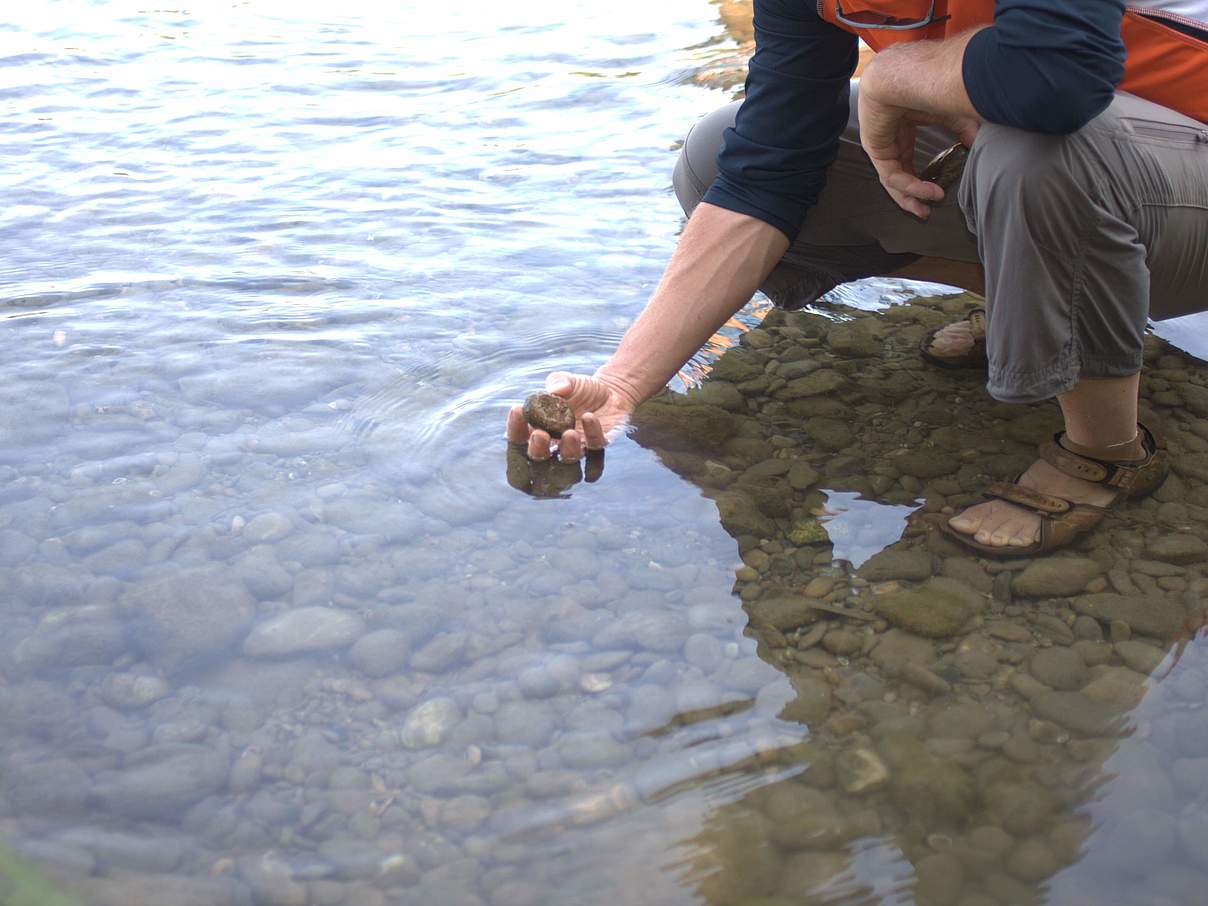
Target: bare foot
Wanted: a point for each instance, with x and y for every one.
(1002, 524)
(953, 341)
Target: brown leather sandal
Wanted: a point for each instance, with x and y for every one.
(1063, 520)
(973, 358)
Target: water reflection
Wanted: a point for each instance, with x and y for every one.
(980, 732)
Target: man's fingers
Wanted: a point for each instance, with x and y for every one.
(560, 383)
(909, 184)
(570, 446)
(538, 445)
(593, 431)
(518, 429)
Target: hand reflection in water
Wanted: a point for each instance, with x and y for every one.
(543, 467)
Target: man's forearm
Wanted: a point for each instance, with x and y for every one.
(921, 75)
(721, 259)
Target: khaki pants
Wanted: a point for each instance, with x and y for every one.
(1083, 237)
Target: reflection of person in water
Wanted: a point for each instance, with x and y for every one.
(1085, 206)
(902, 795)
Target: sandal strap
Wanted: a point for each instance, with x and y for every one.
(1045, 504)
(1119, 475)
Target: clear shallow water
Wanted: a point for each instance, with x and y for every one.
(275, 626)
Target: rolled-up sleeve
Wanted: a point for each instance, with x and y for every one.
(773, 161)
(1046, 65)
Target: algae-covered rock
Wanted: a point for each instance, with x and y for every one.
(929, 612)
(859, 338)
(895, 563)
(718, 393)
(825, 380)
(740, 515)
(829, 433)
(738, 365)
(808, 531)
(771, 492)
(785, 612)
(666, 425)
(924, 462)
(802, 475)
(1051, 576)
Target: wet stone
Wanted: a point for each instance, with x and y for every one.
(1055, 576)
(1140, 656)
(934, 791)
(381, 652)
(1076, 712)
(190, 616)
(897, 648)
(71, 644)
(1177, 549)
(429, 723)
(784, 612)
(939, 879)
(1151, 615)
(861, 771)
(302, 630)
(897, 564)
(163, 779)
(1059, 668)
(133, 690)
(1088, 629)
(441, 653)
(926, 612)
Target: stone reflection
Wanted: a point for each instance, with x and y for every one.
(979, 732)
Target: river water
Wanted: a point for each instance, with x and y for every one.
(283, 622)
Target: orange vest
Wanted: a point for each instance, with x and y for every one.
(1163, 65)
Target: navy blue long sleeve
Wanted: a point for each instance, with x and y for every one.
(773, 162)
(1043, 66)
(1046, 65)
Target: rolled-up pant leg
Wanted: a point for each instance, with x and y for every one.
(1083, 238)
(855, 230)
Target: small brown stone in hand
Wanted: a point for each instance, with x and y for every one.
(549, 413)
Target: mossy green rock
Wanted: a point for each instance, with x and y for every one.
(815, 384)
(718, 393)
(1055, 576)
(672, 426)
(808, 531)
(802, 475)
(925, 462)
(927, 612)
(738, 365)
(897, 564)
(858, 338)
(740, 515)
(785, 612)
(829, 433)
